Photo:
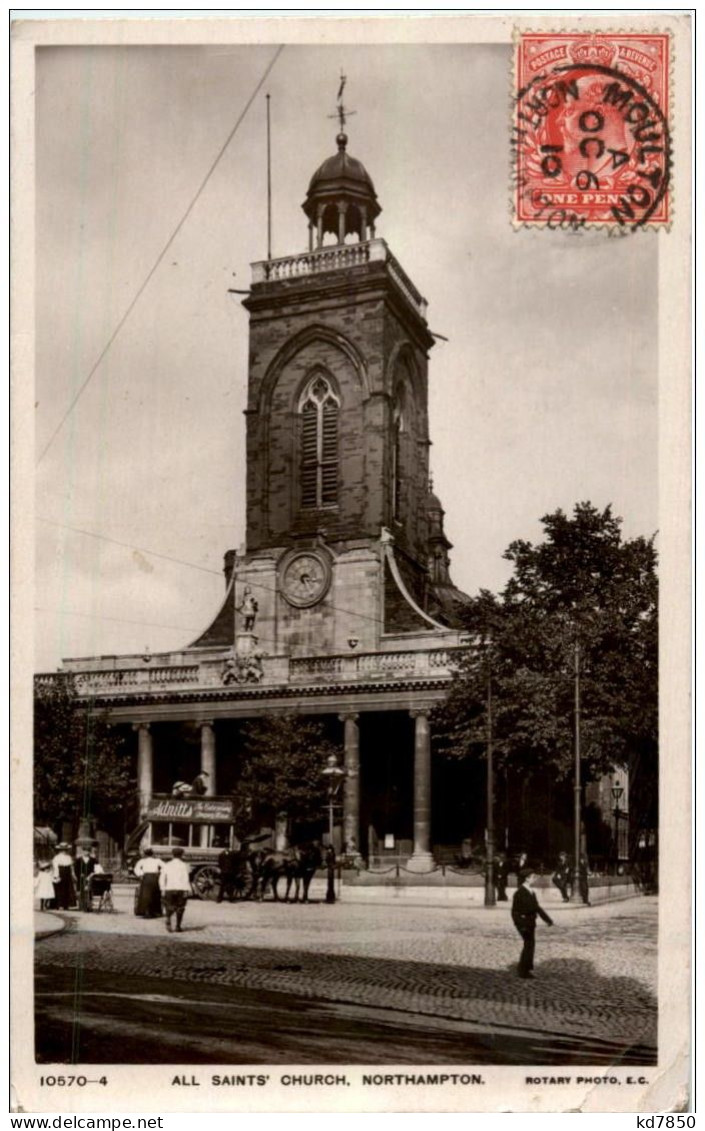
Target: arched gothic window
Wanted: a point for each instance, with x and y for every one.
(397, 429)
(319, 409)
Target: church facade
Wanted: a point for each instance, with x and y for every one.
(340, 604)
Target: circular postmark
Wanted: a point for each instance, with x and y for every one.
(591, 146)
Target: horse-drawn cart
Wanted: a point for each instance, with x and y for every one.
(203, 826)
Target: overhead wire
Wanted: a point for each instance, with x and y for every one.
(127, 545)
(192, 565)
(160, 257)
(102, 616)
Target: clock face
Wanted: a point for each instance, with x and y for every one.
(305, 579)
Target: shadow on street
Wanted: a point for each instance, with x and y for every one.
(156, 1001)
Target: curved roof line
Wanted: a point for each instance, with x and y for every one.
(388, 551)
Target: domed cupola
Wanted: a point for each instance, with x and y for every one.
(341, 199)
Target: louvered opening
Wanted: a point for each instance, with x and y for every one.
(319, 446)
(396, 470)
(309, 455)
(329, 453)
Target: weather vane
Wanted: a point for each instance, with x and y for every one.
(341, 113)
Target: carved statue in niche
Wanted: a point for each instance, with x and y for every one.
(248, 608)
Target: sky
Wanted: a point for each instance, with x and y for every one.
(544, 394)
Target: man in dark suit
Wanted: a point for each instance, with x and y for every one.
(501, 876)
(525, 908)
(582, 877)
(229, 864)
(84, 868)
(562, 876)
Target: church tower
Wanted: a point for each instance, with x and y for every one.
(340, 543)
(339, 605)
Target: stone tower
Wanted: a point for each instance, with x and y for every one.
(342, 530)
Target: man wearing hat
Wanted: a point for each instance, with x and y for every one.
(199, 785)
(175, 883)
(525, 908)
(501, 876)
(562, 876)
(84, 869)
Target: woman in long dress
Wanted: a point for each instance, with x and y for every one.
(149, 899)
(62, 876)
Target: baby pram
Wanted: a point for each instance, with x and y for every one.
(100, 891)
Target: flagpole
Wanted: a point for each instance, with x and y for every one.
(269, 186)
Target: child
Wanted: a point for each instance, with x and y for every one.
(44, 887)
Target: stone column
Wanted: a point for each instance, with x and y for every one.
(145, 765)
(208, 755)
(421, 857)
(342, 209)
(351, 794)
(319, 226)
(208, 766)
(310, 237)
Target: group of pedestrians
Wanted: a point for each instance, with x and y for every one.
(564, 876)
(163, 885)
(64, 882)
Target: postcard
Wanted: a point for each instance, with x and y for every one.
(351, 418)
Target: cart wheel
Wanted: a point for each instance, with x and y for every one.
(206, 882)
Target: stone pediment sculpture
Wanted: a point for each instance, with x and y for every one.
(242, 668)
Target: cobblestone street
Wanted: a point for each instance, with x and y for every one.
(450, 971)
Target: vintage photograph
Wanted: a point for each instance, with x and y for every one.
(349, 544)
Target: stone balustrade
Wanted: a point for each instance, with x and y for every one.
(337, 258)
(276, 671)
(438, 662)
(117, 679)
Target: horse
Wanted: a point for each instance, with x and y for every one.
(297, 865)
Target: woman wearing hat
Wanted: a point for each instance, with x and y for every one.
(149, 898)
(62, 876)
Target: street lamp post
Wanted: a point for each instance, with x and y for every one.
(490, 894)
(577, 785)
(617, 791)
(334, 775)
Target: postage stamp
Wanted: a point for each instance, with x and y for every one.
(591, 141)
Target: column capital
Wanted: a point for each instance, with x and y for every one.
(141, 726)
(420, 712)
(205, 722)
(353, 716)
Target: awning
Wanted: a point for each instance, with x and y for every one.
(44, 835)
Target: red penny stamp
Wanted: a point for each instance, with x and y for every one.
(590, 137)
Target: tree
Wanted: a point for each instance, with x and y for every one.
(581, 596)
(283, 760)
(82, 766)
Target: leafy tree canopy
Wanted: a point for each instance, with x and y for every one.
(282, 764)
(584, 596)
(82, 766)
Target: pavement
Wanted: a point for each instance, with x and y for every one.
(595, 968)
(48, 923)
